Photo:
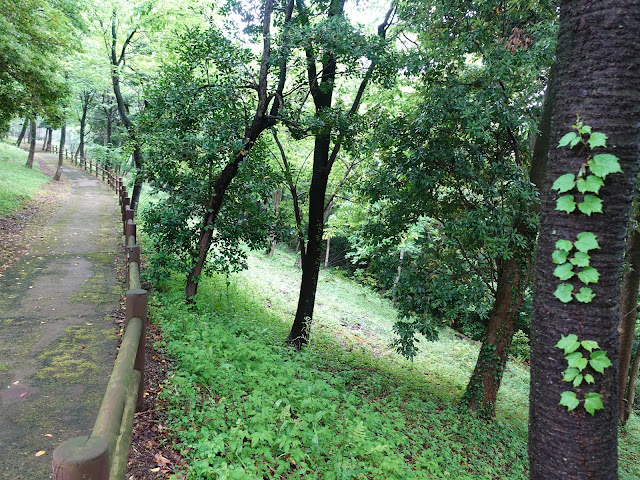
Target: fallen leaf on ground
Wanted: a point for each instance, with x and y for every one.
(160, 459)
(47, 435)
(24, 394)
(154, 470)
(40, 453)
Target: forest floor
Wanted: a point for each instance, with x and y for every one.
(59, 313)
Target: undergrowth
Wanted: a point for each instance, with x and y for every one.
(17, 182)
(244, 406)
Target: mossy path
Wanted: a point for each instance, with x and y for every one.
(58, 342)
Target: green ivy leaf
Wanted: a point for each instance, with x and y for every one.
(590, 204)
(603, 164)
(575, 141)
(570, 374)
(563, 292)
(589, 275)
(564, 245)
(585, 295)
(582, 128)
(597, 139)
(589, 345)
(559, 256)
(580, 259)
(578, 380)
(598, 360)
(564, 183)
(569, 343)
(592, 402)
(576, 360)
(589, 184)
(569, 400)
(566, 139)
(589, 378)
(566, 203)
(564, 271)
(586, 241)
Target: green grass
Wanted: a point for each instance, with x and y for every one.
(242, 405)
(18, 183)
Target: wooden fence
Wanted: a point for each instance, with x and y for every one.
(103, 454)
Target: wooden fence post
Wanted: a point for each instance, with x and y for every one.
(81, 458)
(137, 307)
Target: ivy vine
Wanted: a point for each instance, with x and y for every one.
(579, 192)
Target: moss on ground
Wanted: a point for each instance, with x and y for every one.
(75, 355)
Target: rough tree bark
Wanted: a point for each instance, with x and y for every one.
(32, 142)
(63, 132)
(597, 65)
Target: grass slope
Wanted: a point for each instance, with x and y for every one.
(17, 183)
(242, 405)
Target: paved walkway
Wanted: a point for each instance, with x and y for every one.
(57, 342)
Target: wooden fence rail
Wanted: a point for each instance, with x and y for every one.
(103, 454)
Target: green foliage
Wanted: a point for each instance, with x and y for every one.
(35, 38)
(17, 182)
(193, 128)
(243, 406)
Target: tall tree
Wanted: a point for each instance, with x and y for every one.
(323, 57)
(63, 133)
(598, 57)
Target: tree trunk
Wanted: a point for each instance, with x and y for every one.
(50, 140)
(63, 132)
(628, 312)
(22, 132)
(482, 389)
(513, 278)
(277, 197)
(321, 86)
(326, 252)
(46, 138)
(32, 143)
(397, 279)
(633, 381)
(299, 335)
(598, 59)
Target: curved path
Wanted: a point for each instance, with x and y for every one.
(57, 338)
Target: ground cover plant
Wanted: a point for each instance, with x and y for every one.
(242, 405)
(18, 184)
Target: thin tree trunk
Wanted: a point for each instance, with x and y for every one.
(50, 140)
(46, 137)
(598, 60)
(261, 121)
(22, 132)
(628, 312)
(32, 143)
(397, 279)
(633, 381)
(63, 132)
(277, 197)
(326, 253)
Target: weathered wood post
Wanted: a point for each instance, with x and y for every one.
(81, 458)
(128, 215)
